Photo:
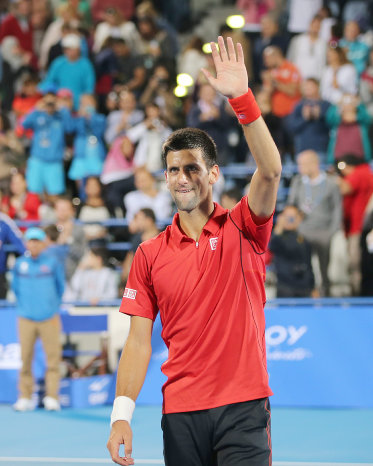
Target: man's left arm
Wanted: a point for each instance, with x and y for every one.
(264, 184)
(232, 81)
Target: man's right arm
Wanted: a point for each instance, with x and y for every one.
(132, 369)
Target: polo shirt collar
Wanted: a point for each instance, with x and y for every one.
(212, 225)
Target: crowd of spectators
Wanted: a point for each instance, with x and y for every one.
(87, 98)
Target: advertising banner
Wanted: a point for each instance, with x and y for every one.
(318, 356)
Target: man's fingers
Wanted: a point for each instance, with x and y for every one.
(222, 49)
(240, 55)
(128, 448)
(113, 448)
(215, 54)
(231, 49)
(210, 78)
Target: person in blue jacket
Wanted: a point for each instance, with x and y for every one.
(38, 284)
(89, 146)
(12, 236)
(71, 70)
(45, 171)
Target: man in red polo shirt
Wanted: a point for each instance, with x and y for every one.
(205, 274)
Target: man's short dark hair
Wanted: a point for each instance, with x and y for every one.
(351, 159)
(191, 138)
(52, 232)
(149, 213)
(233, 193)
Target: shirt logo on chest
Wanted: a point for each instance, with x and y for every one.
(130, 294)
(213, 243)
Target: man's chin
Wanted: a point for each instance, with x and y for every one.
(185, 206)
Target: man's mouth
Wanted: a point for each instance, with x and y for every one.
(184, 191)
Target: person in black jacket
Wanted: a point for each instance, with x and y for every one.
(292, 256)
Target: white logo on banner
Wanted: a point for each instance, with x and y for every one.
(10, 356)
(277, 335)
(100, 392)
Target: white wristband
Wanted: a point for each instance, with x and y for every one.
(123, 408)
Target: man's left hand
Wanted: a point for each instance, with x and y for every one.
(231, 74)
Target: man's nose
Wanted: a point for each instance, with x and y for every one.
(182, 178)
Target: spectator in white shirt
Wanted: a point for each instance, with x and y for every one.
(308, 51)
(339, 77)
(147, 195)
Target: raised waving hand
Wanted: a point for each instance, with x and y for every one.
(231, 74)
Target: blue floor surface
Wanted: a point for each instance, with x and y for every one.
(301, 437)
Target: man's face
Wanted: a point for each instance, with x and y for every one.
(307, 164)
(188, 178)
(72, 54)
(64, 210)
(310, 89)
(35, 247)
(292, 218)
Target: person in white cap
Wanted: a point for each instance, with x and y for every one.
(70, 71)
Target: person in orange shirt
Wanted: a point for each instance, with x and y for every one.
(24, 102)
(281, 80)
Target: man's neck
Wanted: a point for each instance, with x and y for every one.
(192, 223)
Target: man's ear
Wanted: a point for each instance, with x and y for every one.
(214, 174)
(166, 177)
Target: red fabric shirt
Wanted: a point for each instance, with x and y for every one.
(354, 204)
(212, 317)
(30, 206)
(10, 26)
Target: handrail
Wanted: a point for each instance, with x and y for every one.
(342, 302)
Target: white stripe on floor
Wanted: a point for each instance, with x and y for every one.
(15, 459)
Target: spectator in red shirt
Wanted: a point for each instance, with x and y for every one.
(356, 185)
(20, 204)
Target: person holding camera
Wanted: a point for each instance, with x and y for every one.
(291, 256)
(50, 121)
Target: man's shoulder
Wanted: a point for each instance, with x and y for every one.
(152, 247)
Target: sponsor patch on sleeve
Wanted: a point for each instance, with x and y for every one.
(129, 293)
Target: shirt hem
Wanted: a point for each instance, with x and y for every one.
(217, 403)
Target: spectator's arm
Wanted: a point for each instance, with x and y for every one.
(60, 279)
(29, 121)
(291, 89)
(138, 79)
(51, 80)
(344, 186)
(363, 116)
(336, 210)
(89, 79)
(296, 120)
(14, 236)
(333, 116)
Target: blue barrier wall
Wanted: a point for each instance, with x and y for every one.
(319, 353)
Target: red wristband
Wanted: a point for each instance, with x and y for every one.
(245, 107)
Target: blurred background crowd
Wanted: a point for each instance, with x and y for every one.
(89, 90)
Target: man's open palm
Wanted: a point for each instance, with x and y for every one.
(231, 74)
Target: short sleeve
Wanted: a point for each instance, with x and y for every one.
(243, 218)
(353, 179)
(139, 298)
